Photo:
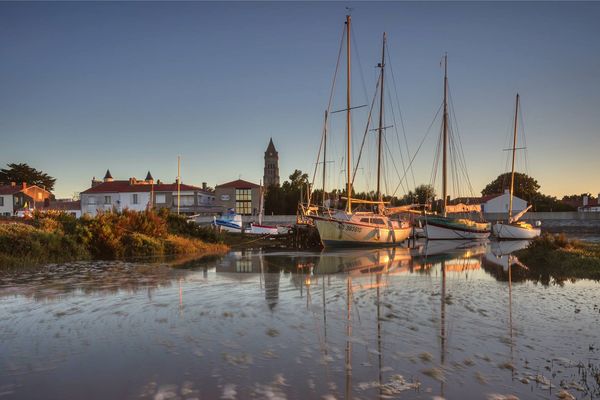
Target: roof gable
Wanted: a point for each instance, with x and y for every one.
(238, 184)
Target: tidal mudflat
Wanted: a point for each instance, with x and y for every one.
(444, 321)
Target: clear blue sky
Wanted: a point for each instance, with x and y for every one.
(129, 86)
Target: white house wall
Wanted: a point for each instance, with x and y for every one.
(7, 207)
(501, 203)
(92, 203)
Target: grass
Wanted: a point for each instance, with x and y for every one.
(58, 237)
(561, 258)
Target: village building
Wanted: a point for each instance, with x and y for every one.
(499, 203)
(68, 206)
(589, 205)
(16, 198)
(139, 195)
(271, 172)
(241, 196)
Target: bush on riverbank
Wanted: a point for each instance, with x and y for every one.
(562, 258)
(58, 237)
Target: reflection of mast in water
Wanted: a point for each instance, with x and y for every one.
(380, 355)
(348, 335)
(443, 323)
(510, 325)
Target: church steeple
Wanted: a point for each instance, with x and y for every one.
(271, 173)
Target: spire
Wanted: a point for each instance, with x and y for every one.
(271, 148)
(149, 177)
(108, 177)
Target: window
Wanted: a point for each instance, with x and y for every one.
(378, 221)
(243, 201)
(161, 198)
(107, 200)
(135, 199)
(1, 201)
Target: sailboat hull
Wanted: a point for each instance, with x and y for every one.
(336, 233)
(451, 230)
(514, 232)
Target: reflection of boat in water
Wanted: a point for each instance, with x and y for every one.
(363, 261)
(501, 252)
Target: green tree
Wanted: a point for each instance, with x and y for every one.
(424, 194)
(525, 186)
(284, 200)
(24, 173)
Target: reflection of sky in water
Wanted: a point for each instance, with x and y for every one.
(280, 324)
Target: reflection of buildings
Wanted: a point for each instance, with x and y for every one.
(242, 265)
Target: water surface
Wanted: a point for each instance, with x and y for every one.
(450, 320)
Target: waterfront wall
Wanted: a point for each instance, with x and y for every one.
(246, 219)
(571, 216)
(544, 216)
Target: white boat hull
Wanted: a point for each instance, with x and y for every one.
(256, 229)
(506, 231)
(335, 233)
(446, 233)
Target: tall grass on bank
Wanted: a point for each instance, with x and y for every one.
(561, 258)
(59, 237)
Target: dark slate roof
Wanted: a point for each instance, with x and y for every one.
(149, 176)
(108, 175)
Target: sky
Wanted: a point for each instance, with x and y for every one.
(86, 86)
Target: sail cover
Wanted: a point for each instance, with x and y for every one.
(463, 208)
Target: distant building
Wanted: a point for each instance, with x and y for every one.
(15, 198)
(68, 206)
(241, 196)
(139, 195)
(271, 174)
(499, 203)
(589, 205)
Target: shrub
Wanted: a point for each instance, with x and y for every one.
(139, 245)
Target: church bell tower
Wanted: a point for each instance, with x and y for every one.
(271, 175)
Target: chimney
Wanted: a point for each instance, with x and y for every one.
(95, 182)
(203, 185)
(132, 181)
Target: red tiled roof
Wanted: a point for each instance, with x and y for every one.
(127, 187)
(9, 189)
(238, 184)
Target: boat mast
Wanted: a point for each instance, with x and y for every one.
(348, 126)
(324, 155)
(379, 196)
(445, 136)
(512, 173)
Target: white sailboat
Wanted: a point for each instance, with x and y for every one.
(351, 228)
(515, 229)
(444, 227)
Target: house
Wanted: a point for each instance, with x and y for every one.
(68, 206)
(14, 198)
(241, 196)
(499, 203)
(590, 205)
(139, 195)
